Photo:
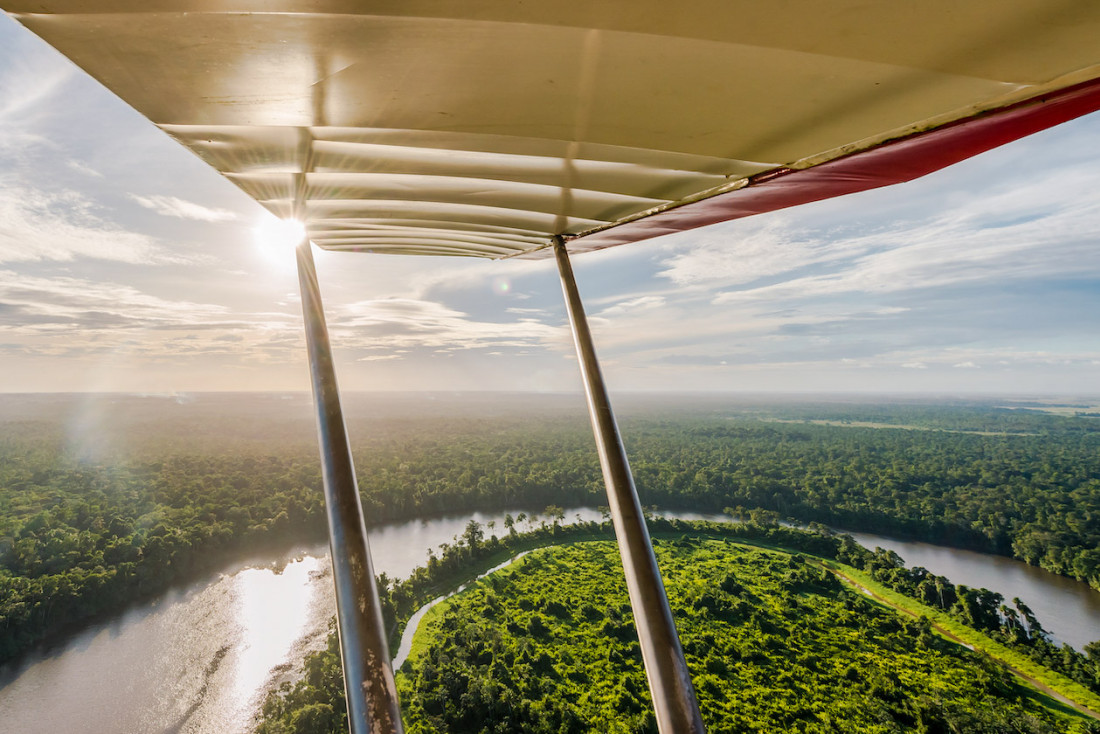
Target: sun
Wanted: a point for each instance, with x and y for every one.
(276, 239)
(280, 234)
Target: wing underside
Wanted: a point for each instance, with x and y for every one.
(484, 128)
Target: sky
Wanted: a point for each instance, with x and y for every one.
(126, 264)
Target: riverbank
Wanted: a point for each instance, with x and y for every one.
(1038, 677)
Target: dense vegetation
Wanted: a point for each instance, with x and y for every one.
(775, 643)
(104, 500)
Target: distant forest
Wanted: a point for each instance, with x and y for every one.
(108, 499)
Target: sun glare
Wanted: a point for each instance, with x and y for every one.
(280, 234)
(276, 239)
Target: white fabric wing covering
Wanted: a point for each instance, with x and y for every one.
(485, 128)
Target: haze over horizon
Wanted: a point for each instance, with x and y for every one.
(127, 265)
(1077, 399)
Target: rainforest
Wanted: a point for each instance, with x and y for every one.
(151, 492)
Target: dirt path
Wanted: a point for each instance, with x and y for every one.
(1018, 673)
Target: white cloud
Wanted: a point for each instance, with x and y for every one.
(1039, 227)
(972, 359)
(83, 168)
(64, 302)
(741, 254)
(26, 87)
(958, 247)
(633, 306)
(403, 323)
(470, 274)
(37, 226)
(381, 357)
(66, 316)
(172, 206)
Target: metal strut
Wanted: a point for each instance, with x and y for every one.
(669, 681)
(368, 677)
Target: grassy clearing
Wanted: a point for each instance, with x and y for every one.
(899, 426)
(1024, 666)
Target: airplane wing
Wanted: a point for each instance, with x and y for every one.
(485, 128)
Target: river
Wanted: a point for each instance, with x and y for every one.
(198, 660)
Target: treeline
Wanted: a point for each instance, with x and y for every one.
(774, 644)
(162, 491)
(1036, 498)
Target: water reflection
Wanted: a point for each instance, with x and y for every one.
(195, 661)
(273, 610)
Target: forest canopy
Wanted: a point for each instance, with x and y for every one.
(774, 641)
(108, 499)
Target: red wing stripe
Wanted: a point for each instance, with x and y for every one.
(892, 162)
